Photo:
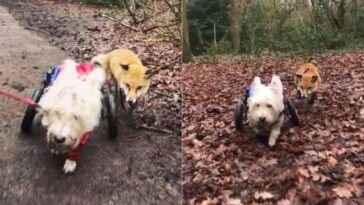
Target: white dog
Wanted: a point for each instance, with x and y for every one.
(70, 109)
(265, 108)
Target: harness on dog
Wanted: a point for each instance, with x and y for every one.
(83, 70)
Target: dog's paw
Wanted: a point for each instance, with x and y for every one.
(272, 142)
(69, 166)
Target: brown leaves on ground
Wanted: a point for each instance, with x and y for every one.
(320, 162)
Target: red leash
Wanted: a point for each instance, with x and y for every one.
(17, 97)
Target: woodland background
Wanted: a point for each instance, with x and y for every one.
(261, 26)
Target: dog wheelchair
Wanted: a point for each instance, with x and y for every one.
(241, 110)
(109, 108)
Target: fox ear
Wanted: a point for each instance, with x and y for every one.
(149, 74)
(314, 78)
(101, 60)
(125, 67)
(299, 76)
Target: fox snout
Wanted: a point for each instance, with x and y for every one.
(130, 100)
(307, 96)
(130, 95)
(302, 94)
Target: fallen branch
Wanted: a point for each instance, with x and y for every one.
(159, 26)
(171, 63)
(154, 129)
(164, 66)
(163, 94)
(174, 9)
(131, 13)
(121, 23)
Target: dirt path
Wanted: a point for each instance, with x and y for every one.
(137, 168)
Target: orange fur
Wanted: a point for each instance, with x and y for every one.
(128, 70)
(307, 79)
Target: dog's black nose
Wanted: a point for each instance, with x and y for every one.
(261, 119)
(59, 139)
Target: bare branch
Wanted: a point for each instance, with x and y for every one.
(120, 22)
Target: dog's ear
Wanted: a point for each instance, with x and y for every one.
(101, 60)
(43, 115)
(276, 84)
(314, 79)
(256, 81)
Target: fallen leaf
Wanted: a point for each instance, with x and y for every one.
(303, 172)
(342, 192)
(284, 202)
(263, 195)
(232, 201)
(332, 161)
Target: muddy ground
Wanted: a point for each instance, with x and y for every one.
(319, 162)
(139, 167)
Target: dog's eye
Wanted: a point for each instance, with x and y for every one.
(76, 117)
(269, 105)
(257, 105)
(128, 86)
(139, 87)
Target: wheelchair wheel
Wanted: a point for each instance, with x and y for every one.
(240, 112)
(28, 118)
(111, 115)
(292, 111)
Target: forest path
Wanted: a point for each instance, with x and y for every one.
(139, 167)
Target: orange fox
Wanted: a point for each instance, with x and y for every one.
(307, 80)
(125, 66)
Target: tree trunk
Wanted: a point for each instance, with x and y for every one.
(337, 20)
(234, 25)
(341, 13)
(355, 16)
(186, 48)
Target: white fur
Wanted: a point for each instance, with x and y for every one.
(69, 166)
(266, 103)
(71, 107)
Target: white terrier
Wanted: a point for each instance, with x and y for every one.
(265, 108)
(70, 109)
